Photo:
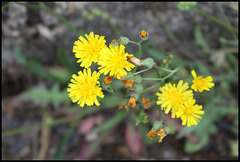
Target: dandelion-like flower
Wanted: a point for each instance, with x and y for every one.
(87, 50)
(85, 88)
(172, 97)
(113, 60)
(189, 112)
(200, 84)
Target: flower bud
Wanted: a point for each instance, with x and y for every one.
(108, 80)
(129, 83)
(123, 40)
(143, 34)
(148, 62)
(134, 60)
(132, 102)
(164, 61)
(161, 134)
(170, 56)
(146, 103)
(114, 43)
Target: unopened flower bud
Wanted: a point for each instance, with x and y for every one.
(114, 43)
(164, 61)
(146, 103)
(132, 102)
(143, 34)
(161, 134)
(129, 83)
(134, 60)
(151, 134)
(148, 62)
(108, 80)
(170, 56)
(123, 40)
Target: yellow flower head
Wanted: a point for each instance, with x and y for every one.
(84, 88)
(200, 83)
(189, 112)
(87, 50)
(114, 60)
(172, 97)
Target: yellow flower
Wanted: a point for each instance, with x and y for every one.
(88, 50)
(84, 88)
(200, 83)
(172, 97)
(189, 113)
(113, 60)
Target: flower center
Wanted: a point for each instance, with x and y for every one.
(176, 98)
(189, 112)
(199, 81)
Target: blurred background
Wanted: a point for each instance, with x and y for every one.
(39, 121)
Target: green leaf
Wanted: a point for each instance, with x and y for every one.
(62, 56)
(190, 147)
(44, 96)
(60, 75)
(199, 39)
(110, 123)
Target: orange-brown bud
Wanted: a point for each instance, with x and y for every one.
(129, 83)
(151, 134)
(134, 60)
(108, 80)
(143, 34)
(146, 103)
(132, 102)
(161, 134)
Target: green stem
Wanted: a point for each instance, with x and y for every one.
(141, 71)
(133, 42)
(160, 68)
(6, 5)
(225, 17)
(150, 87)
(139, 57)
(226, 25)
(162, 79)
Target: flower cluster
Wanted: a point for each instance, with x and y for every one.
(114, 63)
(180, 100)
(85, 88)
